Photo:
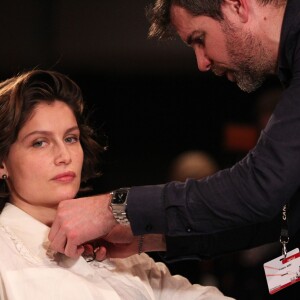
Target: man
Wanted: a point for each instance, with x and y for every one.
(237, 208)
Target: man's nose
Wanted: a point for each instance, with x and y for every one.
(203, 61)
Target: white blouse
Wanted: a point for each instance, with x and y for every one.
(29, 272)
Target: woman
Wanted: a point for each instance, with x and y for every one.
(46, 152)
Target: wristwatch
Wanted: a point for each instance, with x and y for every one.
(118, 204)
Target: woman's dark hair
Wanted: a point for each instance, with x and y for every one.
(20, 95)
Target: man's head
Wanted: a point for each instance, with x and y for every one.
(226, 35)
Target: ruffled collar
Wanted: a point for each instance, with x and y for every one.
(30, 237)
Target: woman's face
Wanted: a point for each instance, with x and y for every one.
(44, 164)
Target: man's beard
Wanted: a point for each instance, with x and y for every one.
(251, 62)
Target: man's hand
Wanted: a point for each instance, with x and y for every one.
(121, 243)
(80, 220)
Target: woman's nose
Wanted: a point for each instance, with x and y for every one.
(62, 155)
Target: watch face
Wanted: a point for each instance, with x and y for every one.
(119, 197)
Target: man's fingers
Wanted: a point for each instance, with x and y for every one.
(72, 247)
(73, 251)
(58, 241)
(101, 254)
(53, 230)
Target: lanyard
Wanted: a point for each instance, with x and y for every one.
(284, 233)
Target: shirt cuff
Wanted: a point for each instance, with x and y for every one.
(145, 209)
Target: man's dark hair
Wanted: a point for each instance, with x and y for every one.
(158, 13)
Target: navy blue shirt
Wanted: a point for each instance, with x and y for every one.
(239, 207)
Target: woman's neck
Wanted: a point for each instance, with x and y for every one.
(43, 214)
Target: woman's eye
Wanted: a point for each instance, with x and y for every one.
(71, 139)
(38, 144)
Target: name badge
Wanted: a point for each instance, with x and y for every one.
(282, 272)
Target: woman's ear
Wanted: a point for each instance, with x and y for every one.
(238, 9)
(3, 170)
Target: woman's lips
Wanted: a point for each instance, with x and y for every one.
(65, 177)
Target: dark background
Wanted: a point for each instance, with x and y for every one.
(147, 96)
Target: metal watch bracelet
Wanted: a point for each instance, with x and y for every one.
(118, 205)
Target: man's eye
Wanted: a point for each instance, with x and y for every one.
(199, 40)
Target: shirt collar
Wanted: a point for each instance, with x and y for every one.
(34, 236)
(32, 232)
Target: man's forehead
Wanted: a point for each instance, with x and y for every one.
(181, 20)
(187, 25)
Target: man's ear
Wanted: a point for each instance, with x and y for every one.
(237, 9)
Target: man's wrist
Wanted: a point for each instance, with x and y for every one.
(119, 203)
(153, 242)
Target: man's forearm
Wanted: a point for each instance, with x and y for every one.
(153, 242)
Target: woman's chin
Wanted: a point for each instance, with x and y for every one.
(66, 196)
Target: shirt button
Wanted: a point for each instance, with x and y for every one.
(189, 229)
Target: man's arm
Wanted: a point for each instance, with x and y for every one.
(134, 244)
(86, 220)
(246, 198)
